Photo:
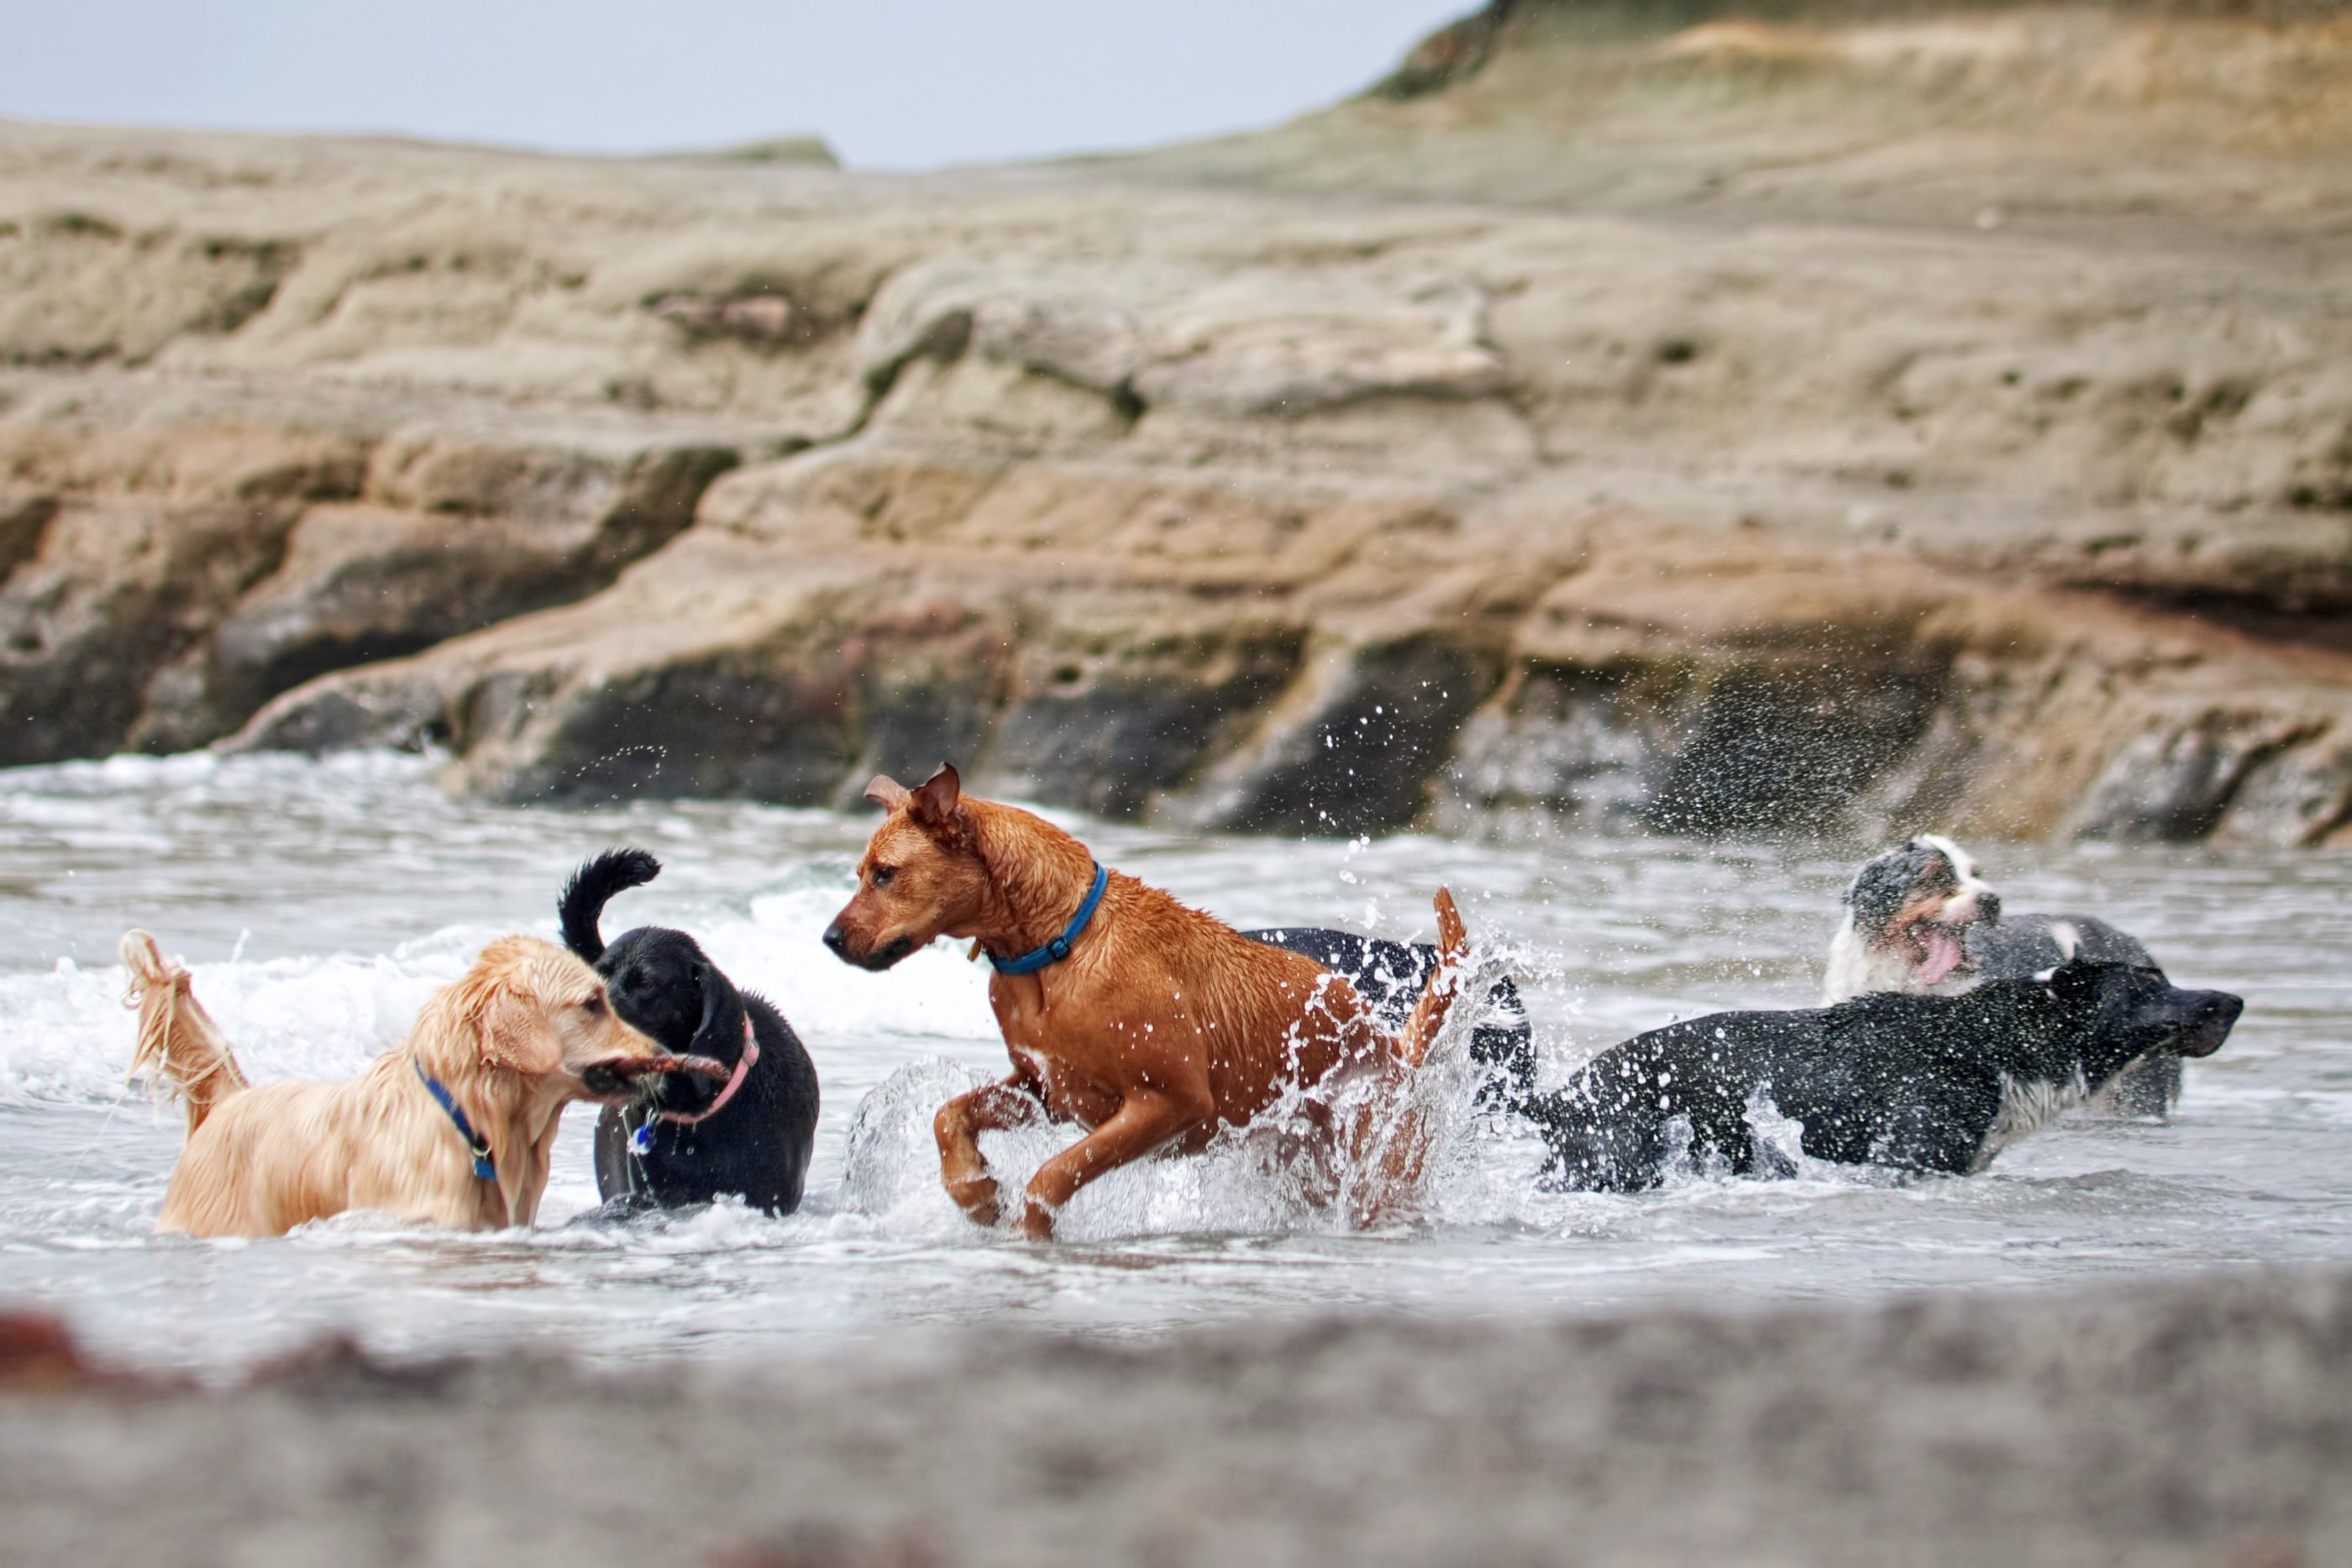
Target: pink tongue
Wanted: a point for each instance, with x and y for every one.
(1943, 956)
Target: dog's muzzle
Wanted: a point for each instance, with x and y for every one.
(837, 941)
(2214, 1015)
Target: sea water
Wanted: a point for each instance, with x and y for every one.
(320, 903)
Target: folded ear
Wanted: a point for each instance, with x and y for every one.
(935, 803)
(886, 793)
(517, 1034)
(720, 1035)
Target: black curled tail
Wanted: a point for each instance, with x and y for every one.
(615, 871)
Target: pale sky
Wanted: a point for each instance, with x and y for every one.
(889, 83)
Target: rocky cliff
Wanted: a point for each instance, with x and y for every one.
(1705, 427)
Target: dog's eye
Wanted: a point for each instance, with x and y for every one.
(881, 874)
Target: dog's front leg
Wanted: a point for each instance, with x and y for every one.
(1142, 1122)
(962, 1169)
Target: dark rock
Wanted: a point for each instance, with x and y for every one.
(2298, 795)
(2175, 781)
(1105, 730)
(1771, 751)
(23, 520)
(383, 712)
(1355, 750)
(495, 536)
(1564, 747)
(115, 594)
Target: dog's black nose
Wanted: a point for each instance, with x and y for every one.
(836, 939)
(1989, 909)
(2218, 1010)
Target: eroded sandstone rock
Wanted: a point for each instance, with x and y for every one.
(116, 593)
(175, 572)
(1701, 474)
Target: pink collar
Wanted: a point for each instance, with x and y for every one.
(744, 1064)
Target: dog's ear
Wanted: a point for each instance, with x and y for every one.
(720, 1033)
(938, 809)
(886, 793)
(2078, 980)
(516, 1034)
(935, 803)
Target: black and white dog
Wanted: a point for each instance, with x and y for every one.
(1918, 1083)
(750, 1136)
(1391, 977)
(1919, 921)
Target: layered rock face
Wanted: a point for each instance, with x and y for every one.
(1225, 487)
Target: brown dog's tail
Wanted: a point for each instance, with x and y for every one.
(179, 1044)
(1429, 1013)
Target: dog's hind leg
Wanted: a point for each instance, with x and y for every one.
(962, 1168)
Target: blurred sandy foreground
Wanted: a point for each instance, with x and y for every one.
(2203, 1423)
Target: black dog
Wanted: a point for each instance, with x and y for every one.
(1918, 919)
(1918, 1084)
(1391, 977)
(749, 1136)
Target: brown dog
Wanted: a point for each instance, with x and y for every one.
(526, 1032)
(1152, 1027)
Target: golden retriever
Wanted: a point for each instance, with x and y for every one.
(526, 1032)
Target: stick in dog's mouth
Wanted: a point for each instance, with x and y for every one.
(618, 1075)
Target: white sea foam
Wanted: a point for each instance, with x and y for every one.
(320, 904)
(67, 1036)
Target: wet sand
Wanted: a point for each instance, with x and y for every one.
(2205, 1422)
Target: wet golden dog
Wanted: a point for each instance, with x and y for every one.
(525, 1033)
(1154, 1026)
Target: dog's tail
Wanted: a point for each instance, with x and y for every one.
(1429, 1012)
(585, 896)
(179, 1044)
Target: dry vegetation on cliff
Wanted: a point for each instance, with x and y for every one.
(1943, 418)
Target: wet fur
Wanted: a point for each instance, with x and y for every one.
(1926, 880)
(515, 1041)
(1162, 1026)
(759, 1145)
(1920, 1084)
(1389, 977)
(1931, 877)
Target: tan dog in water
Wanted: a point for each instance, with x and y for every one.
(1151, 1026)
(525, 1033)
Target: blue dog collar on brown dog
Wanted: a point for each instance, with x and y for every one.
(1057, 950)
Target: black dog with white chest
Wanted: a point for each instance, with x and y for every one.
(1918, 1083)
(1919, 920)
(750, 1136)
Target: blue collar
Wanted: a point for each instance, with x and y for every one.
(1057, 950)
(479, 1146)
